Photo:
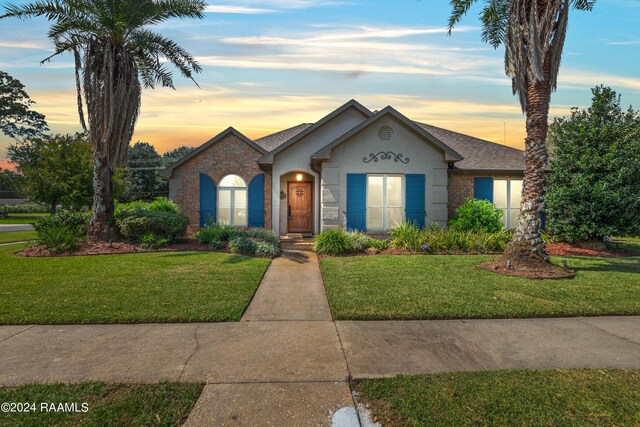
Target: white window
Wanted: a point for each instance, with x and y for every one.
(232, 201)
(384, 202)
(506, 197)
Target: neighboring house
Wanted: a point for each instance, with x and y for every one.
(354, 169)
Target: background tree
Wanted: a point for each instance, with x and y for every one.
(594, 184)
(533, 33)
(142, 176)
(117, 55)
(56, 171)
(11, 185)
(17, 119)
(172, 156)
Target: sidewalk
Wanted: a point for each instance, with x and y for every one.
(287, 362)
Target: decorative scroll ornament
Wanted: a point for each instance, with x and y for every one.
(299, 192)
(386, 155)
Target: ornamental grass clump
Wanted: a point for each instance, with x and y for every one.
(63, 231)
(341, 242)
(436, 239)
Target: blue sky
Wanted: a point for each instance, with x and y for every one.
(276, 63)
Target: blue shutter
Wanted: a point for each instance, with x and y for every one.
(483, 188)
(256, 201)
(414, 199)
(207, 200)
(356, 201)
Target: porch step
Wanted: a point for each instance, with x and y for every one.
(296, 238)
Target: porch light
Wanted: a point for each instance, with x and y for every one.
(299, 177)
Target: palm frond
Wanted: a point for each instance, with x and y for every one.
(459, 9)
(158, 46)
(494, 19)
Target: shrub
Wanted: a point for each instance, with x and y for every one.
(265, 249)
(159, 204)
(216, 245)
(380, 245)
(216, 232)
(438, 240)
(133, 224)
(332, 242)
(357, 241)
(63, 231)
(406, 236)
(242, 246)
(152, 241)
(264, 235)
(25, 208)
(477, 215)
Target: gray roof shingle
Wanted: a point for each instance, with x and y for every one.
(478, 154)
(273, 141)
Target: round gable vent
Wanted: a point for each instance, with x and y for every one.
(385, 133)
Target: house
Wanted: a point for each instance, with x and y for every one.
(354, 168)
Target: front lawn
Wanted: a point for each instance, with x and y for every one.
(167, 404)
(604, 397)
(447, 286)
(22, 218)
(16, 236)
(129, 288)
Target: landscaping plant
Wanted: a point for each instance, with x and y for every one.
(242, 246)
(156, 224)
(63, 231)
(594, 186)
(477, 215)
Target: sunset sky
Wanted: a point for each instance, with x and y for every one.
(273, 64)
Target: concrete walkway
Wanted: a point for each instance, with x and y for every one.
(292, 288)
(287, 362)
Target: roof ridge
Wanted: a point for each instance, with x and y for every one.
(469, 136)
(282, 131)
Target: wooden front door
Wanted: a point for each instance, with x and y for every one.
(300, 205)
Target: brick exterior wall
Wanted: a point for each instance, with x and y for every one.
(461, 187)
(228, 156)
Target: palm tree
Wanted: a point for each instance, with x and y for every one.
(533, 33)
(117, 55)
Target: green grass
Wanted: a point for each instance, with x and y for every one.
(629, 244)
(163, 404)
(22, 218)
(582, 397)
(16, 236)
(447, 286)
(130, 288)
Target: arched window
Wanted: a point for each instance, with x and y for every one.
(232, 201)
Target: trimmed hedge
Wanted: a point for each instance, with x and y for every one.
(477, 215)
(154, 224)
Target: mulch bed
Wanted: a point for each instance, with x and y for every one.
(105, 248)
(566, 249)
(528, 272)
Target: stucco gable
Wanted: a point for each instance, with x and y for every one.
(267, 159)
(450, 155)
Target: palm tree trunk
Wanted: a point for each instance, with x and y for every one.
(102, 225)
(527, 248)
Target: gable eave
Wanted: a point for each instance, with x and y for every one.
(450, 155)
(168, 171)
